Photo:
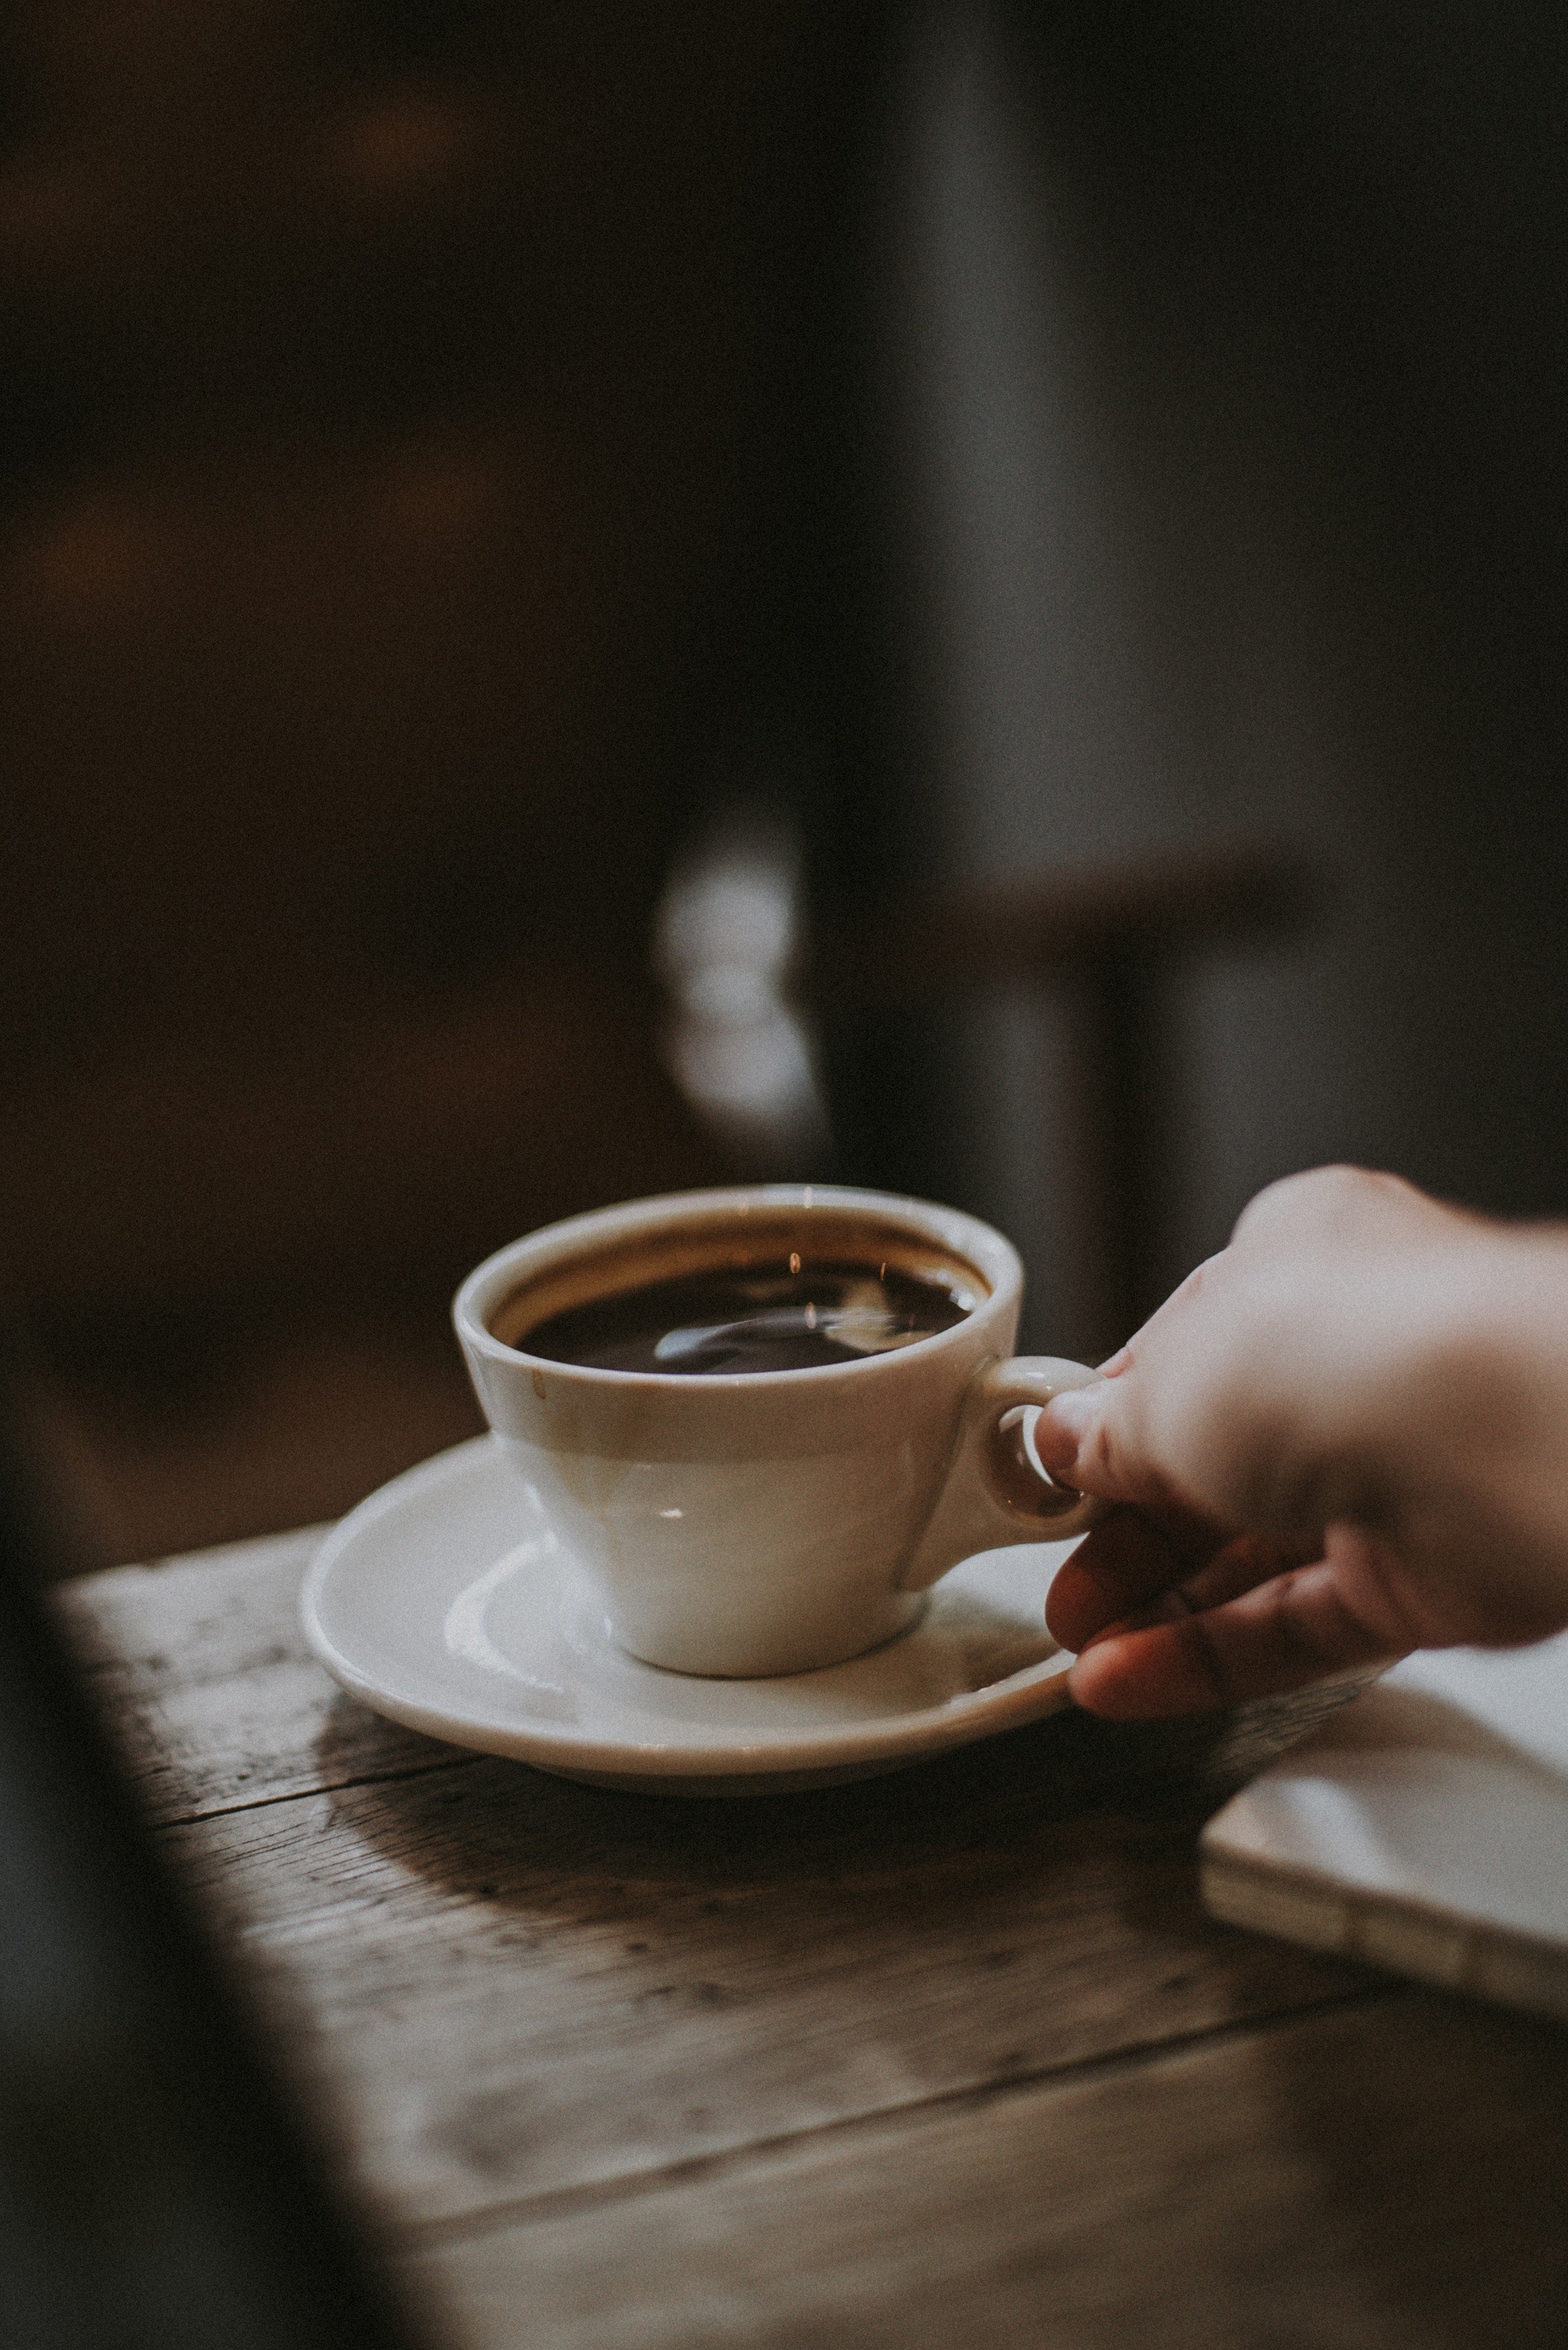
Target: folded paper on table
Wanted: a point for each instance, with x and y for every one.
(1424, 1828)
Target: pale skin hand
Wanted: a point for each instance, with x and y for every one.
(1343, 1438)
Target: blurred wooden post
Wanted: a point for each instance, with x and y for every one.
(1112, 940)
(1124, 1141)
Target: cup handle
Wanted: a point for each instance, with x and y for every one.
(994, 1494)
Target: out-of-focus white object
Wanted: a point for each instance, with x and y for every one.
(1424, 1828)
(726, 941)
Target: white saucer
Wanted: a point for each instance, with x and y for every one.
(439, 1604)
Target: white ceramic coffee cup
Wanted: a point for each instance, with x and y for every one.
(762, 1523)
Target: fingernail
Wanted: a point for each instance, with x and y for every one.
(1072, 1409)
(1060, 1431)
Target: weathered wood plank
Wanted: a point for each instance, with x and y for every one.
(893, 2060)
(1369, 2179)
(510, 1985)
(506, 1985)
(203, 1680)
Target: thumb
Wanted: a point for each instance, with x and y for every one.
(1083, 1437)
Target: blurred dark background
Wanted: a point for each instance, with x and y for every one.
(598, 598)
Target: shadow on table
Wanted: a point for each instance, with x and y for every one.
(1071, 1765)
(622, 1983)
(980, 1841)
(1427, 2197)
(655, 1978)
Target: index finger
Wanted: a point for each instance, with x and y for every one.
(1126, 1571)
(1284, 1633)
(1121, 1564)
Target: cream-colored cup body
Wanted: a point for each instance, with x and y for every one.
(767, 1522)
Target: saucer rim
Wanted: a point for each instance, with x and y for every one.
(1034, 1691)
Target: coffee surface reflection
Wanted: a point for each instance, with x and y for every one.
(792, 1316)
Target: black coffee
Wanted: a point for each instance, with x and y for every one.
(770, 1317)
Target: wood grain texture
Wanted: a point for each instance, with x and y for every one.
(506, 1985)
(203, 1677)
(1367, 2181)
(513, 1985)
(951, 2051)
(205, 1680)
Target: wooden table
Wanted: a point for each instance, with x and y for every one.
(949, 2057)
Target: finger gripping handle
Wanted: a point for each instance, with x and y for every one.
(1002, 1394)
(995, 1495)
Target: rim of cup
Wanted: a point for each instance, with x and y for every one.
(976, 1244)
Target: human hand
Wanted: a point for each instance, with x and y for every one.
(1342, 1438)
